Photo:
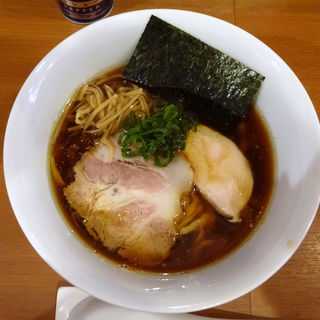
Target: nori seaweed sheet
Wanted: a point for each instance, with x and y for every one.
(170, 60)
(206, 111)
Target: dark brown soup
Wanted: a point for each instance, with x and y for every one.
(195, 249)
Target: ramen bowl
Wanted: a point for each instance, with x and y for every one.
(283, 103)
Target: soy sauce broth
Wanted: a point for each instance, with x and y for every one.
(252, 138)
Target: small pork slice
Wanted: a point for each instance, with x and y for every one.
(221, 172)
(130, 206)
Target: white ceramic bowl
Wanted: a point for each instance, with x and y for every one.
(108, 43)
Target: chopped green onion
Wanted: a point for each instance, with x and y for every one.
(159, 135)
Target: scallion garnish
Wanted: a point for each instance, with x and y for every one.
(159, 135)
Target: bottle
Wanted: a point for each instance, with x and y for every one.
(85, 11)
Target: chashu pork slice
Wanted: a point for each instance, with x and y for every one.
(221, 172)
(130, 206)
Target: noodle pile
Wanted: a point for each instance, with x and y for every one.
(198, 220)
(195, 217)
(100, 109)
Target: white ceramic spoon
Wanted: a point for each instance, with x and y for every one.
(74, 304)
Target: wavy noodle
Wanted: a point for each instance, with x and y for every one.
(100, 109)
(196, 217)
